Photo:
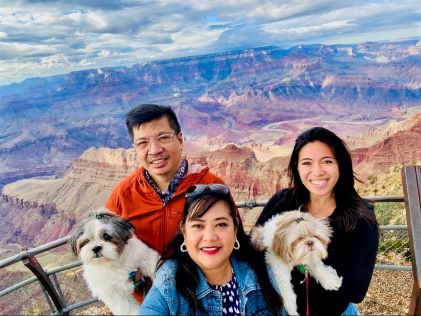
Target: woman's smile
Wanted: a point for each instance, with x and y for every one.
(210, 250)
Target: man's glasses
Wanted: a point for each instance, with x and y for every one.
(145, 143)
(199, 189)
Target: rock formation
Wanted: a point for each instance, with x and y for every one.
(37, 210)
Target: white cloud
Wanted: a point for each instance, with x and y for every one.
(104, 53)
(288, 9)
(53, 61)
(21, 50)
(96, 20)
(193, 37)
(50, 37)
(73, 16)
(334, 25)
(85, 62)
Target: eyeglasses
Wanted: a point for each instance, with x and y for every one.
(163, 139)
(199, 189)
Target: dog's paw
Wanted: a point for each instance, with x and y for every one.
(331, 281)
(291, 309)
(290, 301)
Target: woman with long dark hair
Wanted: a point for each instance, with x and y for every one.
(322, 183)
(210, 267)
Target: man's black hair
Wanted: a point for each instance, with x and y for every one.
(143, 113)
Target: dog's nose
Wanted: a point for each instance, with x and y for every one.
(310, 243)
(96, 249)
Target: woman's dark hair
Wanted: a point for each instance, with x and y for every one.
(187, 278)
(144, 113)
(352, 206)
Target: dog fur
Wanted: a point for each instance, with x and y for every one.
(109, 251)
(293, 238)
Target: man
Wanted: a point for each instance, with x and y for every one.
(152, 197)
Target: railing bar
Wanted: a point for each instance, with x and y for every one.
(393, 227)
(251, 203)
(64, 267)
(385, 198)
(373, 198)
(48, 246)
(392, 267)
(50, 291)
(34, 251)
(78, 263)
(9, 261)
(18, 286)
(58, 287)
(80, 304)
(47, 298)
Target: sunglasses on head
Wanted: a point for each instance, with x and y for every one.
(199, 189)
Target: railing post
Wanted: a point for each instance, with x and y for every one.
(32, 264)
(411, 179)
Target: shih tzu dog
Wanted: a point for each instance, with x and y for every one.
(292, 239)
(110, 253)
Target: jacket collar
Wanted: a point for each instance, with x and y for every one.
(246, 279)
(194, 171)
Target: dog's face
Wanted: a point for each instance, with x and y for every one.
(294, 236)
(101, 237)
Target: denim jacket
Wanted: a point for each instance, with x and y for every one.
(163, 298)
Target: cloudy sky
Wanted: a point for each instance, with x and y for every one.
(46, 37)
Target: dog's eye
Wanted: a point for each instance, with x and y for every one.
(107, 237)
(83, 243)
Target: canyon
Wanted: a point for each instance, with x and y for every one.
(64, 144)
(259, 96)
(38, 210)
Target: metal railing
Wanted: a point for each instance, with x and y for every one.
(411, 180)
(58, 285)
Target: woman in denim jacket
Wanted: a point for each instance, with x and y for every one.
(210, 266)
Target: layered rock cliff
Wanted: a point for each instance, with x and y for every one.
(36, 210)
(402, 146)
(261, 95)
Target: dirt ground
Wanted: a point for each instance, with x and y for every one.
(389, 293)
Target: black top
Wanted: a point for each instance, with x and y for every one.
(351, 254)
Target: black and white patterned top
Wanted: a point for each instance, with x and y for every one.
(230, 297)
(175, 181)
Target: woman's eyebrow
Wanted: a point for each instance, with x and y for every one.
(305, 158)
(196, 220)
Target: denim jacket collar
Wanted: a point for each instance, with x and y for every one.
(241, 270)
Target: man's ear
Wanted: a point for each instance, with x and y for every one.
(180, 137)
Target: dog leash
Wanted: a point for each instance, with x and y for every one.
(302, 268)
(140, 284)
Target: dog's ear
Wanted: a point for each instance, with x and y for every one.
(256, 238)
(123, 227)
(280, 231)
(323, 231)
(74, 238)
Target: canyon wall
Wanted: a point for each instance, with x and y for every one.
(38, 210)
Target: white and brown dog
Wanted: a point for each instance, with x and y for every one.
(110, 251)
(291, 239)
